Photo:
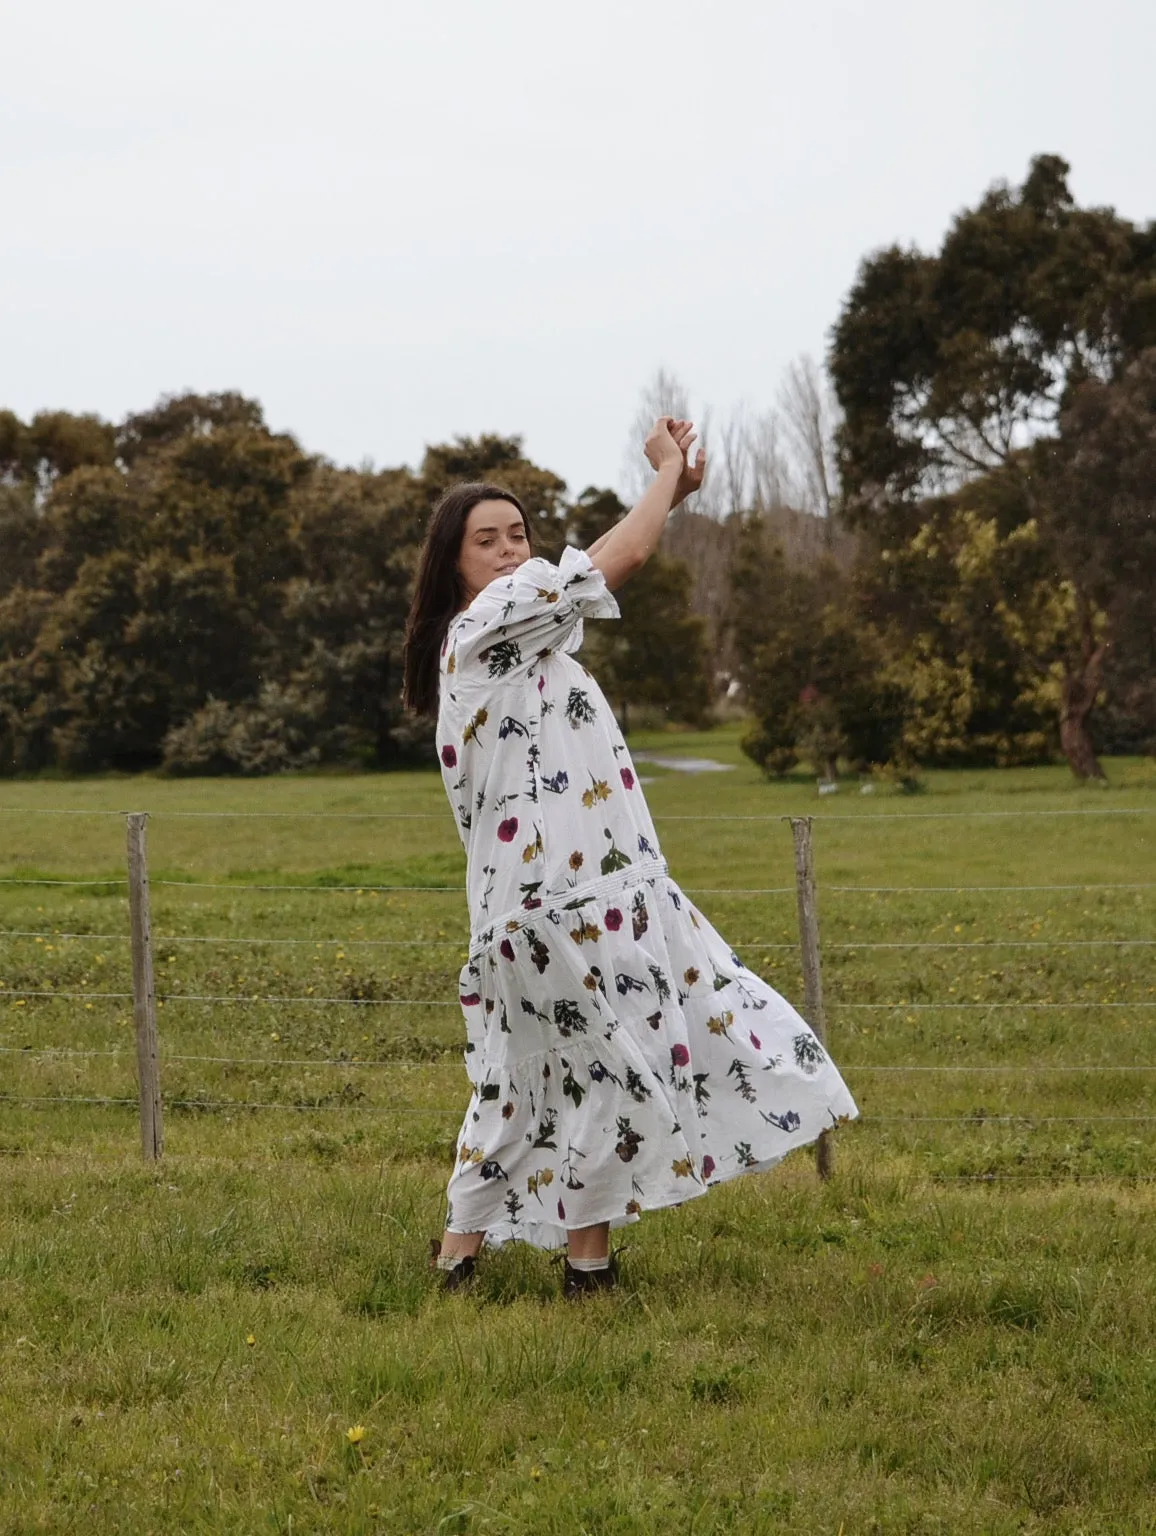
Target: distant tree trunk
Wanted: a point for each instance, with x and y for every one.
(1080, 686)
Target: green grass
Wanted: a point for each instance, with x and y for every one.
(953, 1335)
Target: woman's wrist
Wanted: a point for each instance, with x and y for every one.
(668, 475)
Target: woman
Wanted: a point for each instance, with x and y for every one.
(622, 1058)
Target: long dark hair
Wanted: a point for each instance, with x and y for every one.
(438, 594)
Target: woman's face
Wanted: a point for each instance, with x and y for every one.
(494, 543)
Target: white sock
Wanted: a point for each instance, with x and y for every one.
(448, 1261)
(590, 1266)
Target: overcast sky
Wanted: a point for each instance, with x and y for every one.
(395, 223)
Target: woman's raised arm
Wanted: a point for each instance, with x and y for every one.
(626, 547)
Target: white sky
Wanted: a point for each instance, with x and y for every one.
(393, 224)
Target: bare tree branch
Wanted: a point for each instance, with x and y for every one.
(809, 419)
(664, 395)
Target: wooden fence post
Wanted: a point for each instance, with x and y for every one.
(144, 992)
(812, 965)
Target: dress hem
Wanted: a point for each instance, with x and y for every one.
(619, 1218)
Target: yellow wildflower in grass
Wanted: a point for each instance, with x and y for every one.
(250, 1340)
(355, 1434)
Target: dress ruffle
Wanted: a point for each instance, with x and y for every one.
(623, 1059)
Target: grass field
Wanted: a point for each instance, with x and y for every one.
(953, 1335)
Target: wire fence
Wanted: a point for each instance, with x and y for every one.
(853, 944)
(817, 816)
(440, 1002)
(67, 1053)
(146, 998)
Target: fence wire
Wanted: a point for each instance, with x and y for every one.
(66, 1053)
(30, 880)
(868, 818)
(1025, 1120)
(165, 939)
(722, 890)
(437, 1002)
(973, 1122)
(916, 1007)
(383, 1109)
(237, 997)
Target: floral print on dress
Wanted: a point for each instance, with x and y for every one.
(617, 1049)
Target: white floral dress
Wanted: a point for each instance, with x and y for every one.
(622, 1057)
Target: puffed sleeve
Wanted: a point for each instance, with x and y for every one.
(518, 618)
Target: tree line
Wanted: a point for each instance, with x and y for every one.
(188, 590)
(943, 551)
